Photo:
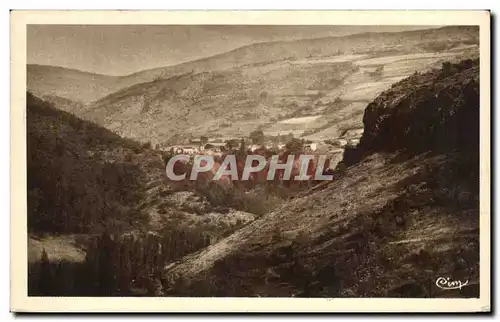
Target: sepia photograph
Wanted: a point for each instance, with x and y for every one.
(250, 157)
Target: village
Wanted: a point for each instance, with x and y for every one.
(252, 143)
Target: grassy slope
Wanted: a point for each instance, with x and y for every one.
(390, 225)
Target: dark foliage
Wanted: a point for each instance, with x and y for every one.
(79, 177)
(115, 265)
(257, 137)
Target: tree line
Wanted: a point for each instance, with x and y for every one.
(115, 265)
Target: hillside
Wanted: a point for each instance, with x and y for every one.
(75, 85)
(312, 88)
(403, 212)
(211, 103)
(88, 186)
(414, 41)
(78, 173)
(87, 88)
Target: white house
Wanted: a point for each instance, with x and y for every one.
(342, 142)
(254, 147)
(189, 149)
(354, 133)
(215, 147)
(353, 141)
(312, 146)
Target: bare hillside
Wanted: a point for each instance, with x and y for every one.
(86, 87)
(414, 41)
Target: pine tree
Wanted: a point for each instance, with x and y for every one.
(160, 260)
(158, 288)
(106, 273)
(242, 147)
(125, 271)
(46, 276)
(140, 271)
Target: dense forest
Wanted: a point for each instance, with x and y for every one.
(115, 265)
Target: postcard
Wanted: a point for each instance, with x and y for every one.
(250, 161)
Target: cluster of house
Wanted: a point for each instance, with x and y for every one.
(217, 148)
(197, 149)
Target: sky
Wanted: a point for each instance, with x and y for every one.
(124, 49)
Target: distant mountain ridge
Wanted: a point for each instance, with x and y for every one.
(76, 85)
(88, 87)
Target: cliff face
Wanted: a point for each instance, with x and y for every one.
(404, 211)
(436, 111)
